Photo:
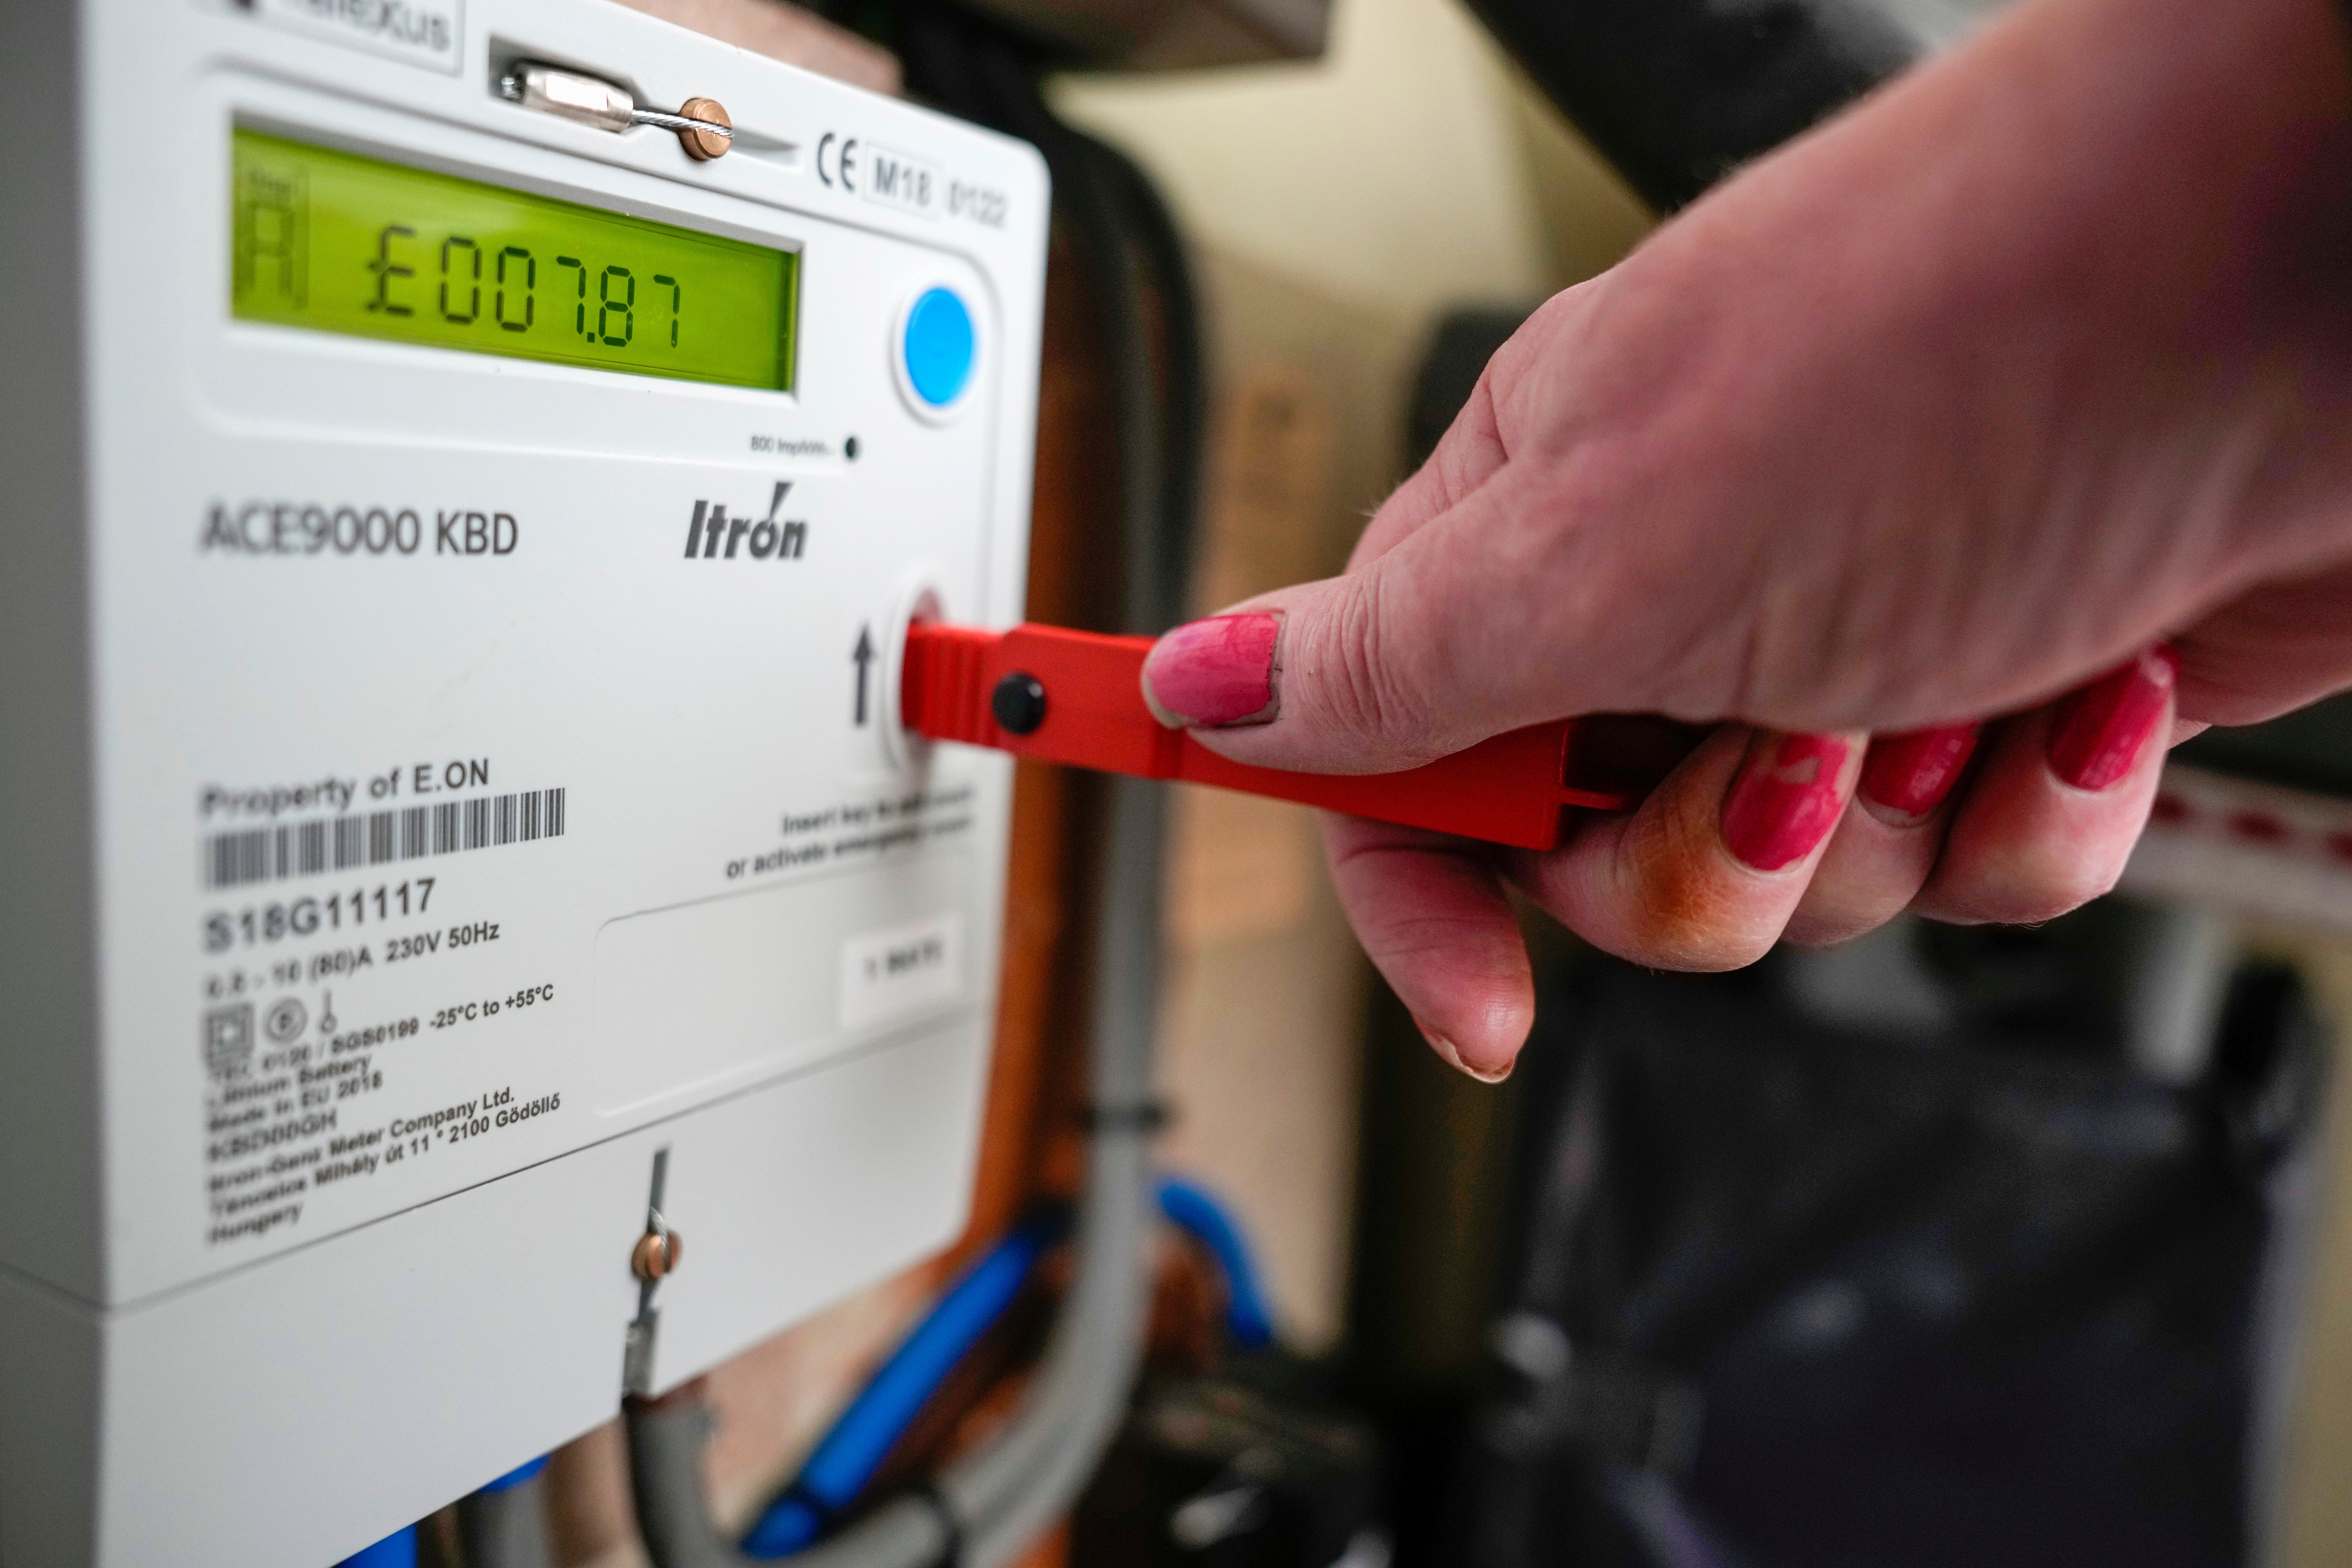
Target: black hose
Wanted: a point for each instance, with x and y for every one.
(1143, 215)
(1677, 93)
(1135, 260)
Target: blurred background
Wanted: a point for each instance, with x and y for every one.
(1946, 1248)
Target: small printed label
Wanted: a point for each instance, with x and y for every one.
(983, 204)
(429, 33)
(895, 179)
(887, 974)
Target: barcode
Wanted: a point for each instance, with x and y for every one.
(373, 839)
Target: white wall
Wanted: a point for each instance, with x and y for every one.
(1392, 174)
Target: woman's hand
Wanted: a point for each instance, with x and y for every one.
(1961, 455)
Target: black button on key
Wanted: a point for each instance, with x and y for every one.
(1019, 702)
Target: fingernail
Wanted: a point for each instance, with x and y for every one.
(1215, 672)
(1785, 800)
(1907, 775)
(2102, 729)
(1444, 1047)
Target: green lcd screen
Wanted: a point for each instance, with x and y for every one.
(340, 243)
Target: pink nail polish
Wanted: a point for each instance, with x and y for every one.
(1215, 672)
(2102, 729)
(1908, 774)
(1785, 800)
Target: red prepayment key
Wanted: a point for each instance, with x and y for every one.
(1070, 697)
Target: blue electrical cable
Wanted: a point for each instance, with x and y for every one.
(397, 1550)
(846, 1458)
(1194, 1210)
(516, 1476)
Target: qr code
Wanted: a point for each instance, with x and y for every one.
(228, 1039)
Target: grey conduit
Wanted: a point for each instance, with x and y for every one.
(1001, 1498)
(506, 1527)
(1013, 1489)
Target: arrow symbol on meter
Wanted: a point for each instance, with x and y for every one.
(863, 658)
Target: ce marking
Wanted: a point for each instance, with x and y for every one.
(844, 161)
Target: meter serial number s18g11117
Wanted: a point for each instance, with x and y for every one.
(260, 923)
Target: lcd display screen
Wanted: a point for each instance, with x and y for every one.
(342, 243)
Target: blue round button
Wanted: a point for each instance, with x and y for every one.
(938, 347)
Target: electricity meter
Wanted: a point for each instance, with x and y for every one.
(470, 463)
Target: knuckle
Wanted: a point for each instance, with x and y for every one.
(1683, 913)
(2026, 892)
(1363, 687)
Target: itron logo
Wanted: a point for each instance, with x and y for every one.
(771, 536)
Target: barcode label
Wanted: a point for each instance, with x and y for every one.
(373, 839)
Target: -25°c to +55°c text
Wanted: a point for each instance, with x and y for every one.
(490, 1007)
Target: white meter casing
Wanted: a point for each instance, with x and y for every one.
(416, 834)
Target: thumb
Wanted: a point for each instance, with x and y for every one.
(1470, 626)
